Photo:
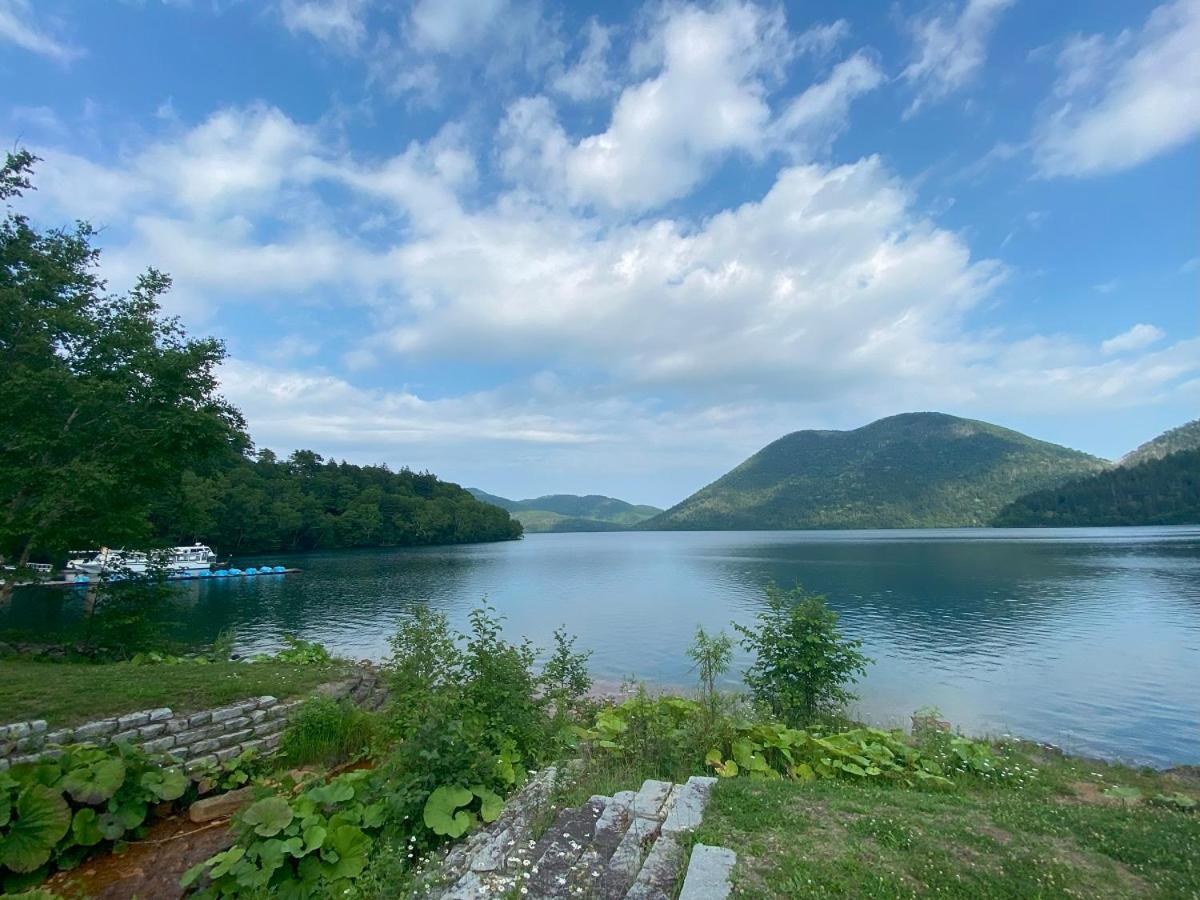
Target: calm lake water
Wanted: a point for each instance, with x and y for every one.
(1089, 638)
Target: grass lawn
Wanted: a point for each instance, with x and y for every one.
(1057, 835)
(71, 693)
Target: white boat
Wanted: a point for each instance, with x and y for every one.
(176, 560)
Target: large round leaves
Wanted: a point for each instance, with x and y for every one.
(269, 816)
(96, 782)
(442, 813)
(40, 819)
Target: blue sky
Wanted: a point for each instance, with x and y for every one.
(616, 248)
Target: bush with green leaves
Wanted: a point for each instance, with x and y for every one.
(328, 732)
(312, 843)
(237, 772)
(467, 719)
(297, 650)
(668, 731)
(802, 661)
(565, 680)
(57, 811)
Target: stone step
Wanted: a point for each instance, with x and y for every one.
(558, 869)
(709, 874)
(625, 847)
(682, 812)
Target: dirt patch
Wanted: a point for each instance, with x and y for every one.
(149, 869)
(1090, 792)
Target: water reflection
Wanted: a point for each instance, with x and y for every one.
(1089, 638)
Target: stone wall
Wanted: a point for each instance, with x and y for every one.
(197, 739)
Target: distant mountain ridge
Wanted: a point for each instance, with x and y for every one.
(1185, 437)
(570, 512)
(914, 470)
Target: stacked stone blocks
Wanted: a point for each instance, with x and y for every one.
(197, 740)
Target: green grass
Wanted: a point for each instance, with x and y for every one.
(1057, 835)
(329, 732)
(70, 693)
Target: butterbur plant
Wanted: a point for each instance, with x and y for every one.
(57, 811)
(311, 844)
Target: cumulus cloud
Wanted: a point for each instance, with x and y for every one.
(17, 26)
(589, 77)
(711, 73)
(949, 50)
(1119, 102)
(1137, 337)
(340, 23)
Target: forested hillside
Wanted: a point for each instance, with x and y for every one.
(1185, 437)
(308, 503)
(571, 512)
(1162, 491)
(916, 470)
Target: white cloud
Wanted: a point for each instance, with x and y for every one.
(711, 73)
(443, 46)
(589, 77)
(820, 40)
(1121, 102)
(949, 50)
(708, 98)
(340, 23)
(810, 122)
(17, 26)
(455, 26)
(1136, 338)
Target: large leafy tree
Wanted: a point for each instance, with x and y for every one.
(104, 401)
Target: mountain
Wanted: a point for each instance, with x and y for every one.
(570, 512)
(1156, 484)
(916, 470)
(1185, 437)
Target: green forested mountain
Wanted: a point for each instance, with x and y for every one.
(1162, 490)
(916, 470)
(571, 512)
(1185, 437)
(308, 503)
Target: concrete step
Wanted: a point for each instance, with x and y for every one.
(709, 874)
(625, 847)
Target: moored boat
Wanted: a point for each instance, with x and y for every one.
(188, 560)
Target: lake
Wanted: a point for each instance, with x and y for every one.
(1088, 638)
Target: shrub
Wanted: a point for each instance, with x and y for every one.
(565, 680)
(328, 732)
(802, 661)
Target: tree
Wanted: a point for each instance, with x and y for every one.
(802, 661)
(104, 402)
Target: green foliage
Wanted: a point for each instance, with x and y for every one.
(299, 651)
(268, 505)
(712, 654)
(104, 402)
(312, 843)
(565, 680)
(232, 773)
(62, 809)
(668, 731)
(802, 661)
(328, 732)
(1185, 437)
(1159, 491)
(917, 470)
(126, 614)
